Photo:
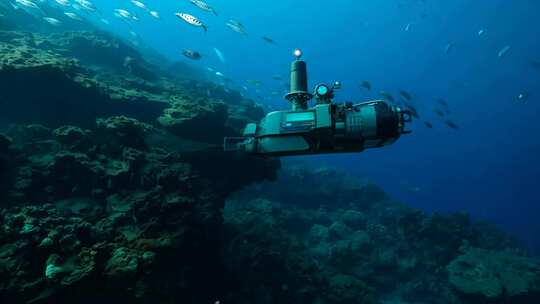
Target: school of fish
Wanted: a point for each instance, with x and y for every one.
(74, 10)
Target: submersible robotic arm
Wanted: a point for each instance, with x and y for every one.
(325, 128)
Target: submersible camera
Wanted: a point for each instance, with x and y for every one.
(325, 128)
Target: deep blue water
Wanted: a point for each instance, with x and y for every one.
(489, 167)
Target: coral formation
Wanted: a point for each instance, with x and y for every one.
(357, 236)
(495, 274)
(84, 75)
(100, 209)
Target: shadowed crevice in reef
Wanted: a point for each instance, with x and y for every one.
(49, 96)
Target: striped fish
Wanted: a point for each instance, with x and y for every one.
(191, 20)
(203, 5)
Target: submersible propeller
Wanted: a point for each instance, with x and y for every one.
(324, 128)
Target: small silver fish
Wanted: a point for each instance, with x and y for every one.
(236, 23)
(236, 26)
(52, 21)
(220, 55)
(27, 3)
(192, 20)
(481, 32)
(124, 14)
(154, 14)
(63, 2)
(408, 27)
(73, 16)
(203, 5)
(139, 4)
(523, 96)
(449, 48)
(502, 53)
(87, 5)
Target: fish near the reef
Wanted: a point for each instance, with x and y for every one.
(25, 3)
(449, 48)
(523, 96)
(387, 95)
(87, 5)
(451, 124)
(220, 55)
(73, 16)
(439, 112)
(441, 101)
(365, 84)
(408, 27)
(139, 4)
(405, 95)
(191, 54)
(189, 19)
(52, 21)
(413, 110)
(203, 5)
(236, 27)
(154, 14)
(269, 40)
(63, 2)
(124, 14)
(503, 52)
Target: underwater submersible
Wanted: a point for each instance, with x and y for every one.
(325, 128)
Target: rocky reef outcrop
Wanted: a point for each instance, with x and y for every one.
(5, 171)
(100, 214)
(349, 229)
(495, 275)
(77, 76)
